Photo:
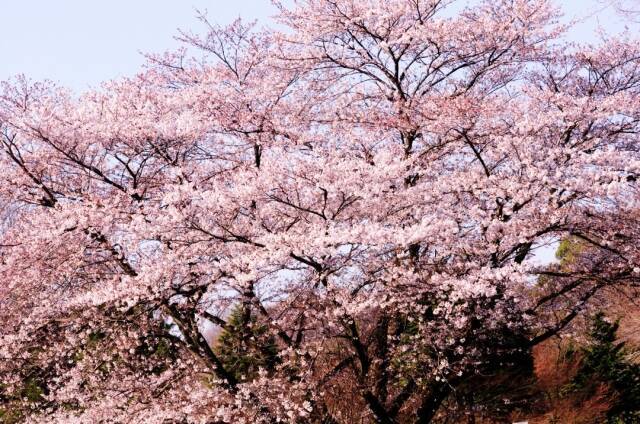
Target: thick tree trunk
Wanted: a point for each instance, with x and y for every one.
(430, 404)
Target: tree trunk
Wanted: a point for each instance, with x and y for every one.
(431, 403)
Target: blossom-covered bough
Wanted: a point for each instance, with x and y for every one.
(368, 184)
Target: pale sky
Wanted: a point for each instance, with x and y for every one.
(83, 42)
(80, 43)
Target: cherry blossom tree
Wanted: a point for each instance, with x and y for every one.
(628, 9)
(368, 184)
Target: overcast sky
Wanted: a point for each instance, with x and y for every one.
(80, 43)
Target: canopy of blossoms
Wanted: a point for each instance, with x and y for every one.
(369, 183)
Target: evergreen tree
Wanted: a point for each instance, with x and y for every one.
(245, 345)
(605, 361)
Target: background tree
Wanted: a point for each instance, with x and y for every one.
(604, 362)
(245, 345)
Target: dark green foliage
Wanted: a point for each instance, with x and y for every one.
(10, 416)
(244, 346)
(604, 361)
(29, 396)
(32, 390)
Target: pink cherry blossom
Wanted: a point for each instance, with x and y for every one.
(371, 181)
